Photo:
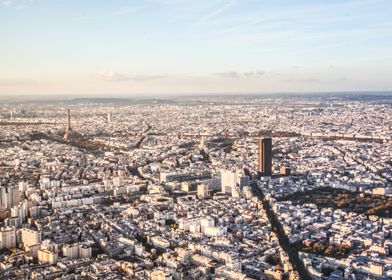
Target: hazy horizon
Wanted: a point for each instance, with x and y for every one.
(381, 96)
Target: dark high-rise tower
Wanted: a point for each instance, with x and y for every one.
(69, 129)
(265, 156)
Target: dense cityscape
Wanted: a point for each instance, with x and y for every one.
(197, 187)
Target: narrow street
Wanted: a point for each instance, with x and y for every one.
(282, 237)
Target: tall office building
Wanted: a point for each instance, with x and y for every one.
(265, 156)
(46, 256)
(202, 143)
(9, 197)
(84, 251)
(29, 237)
(71, 251)
(228, 181)
(202, 191)
(7, 237)
(231, 181)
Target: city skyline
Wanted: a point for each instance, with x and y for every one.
(180, 47)
(213, 187)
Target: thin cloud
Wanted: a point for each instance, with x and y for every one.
(18, 3)
(231, 74)
(117, 13)
(253, 74)
(316, 80)
(244, 25)
(218, 11)
(309, 80)
(16, 82)
(302, 15)
(7, 2)
(237, 75)
(113, 76)
(127, 10)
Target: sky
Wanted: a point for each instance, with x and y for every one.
(188, 46)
